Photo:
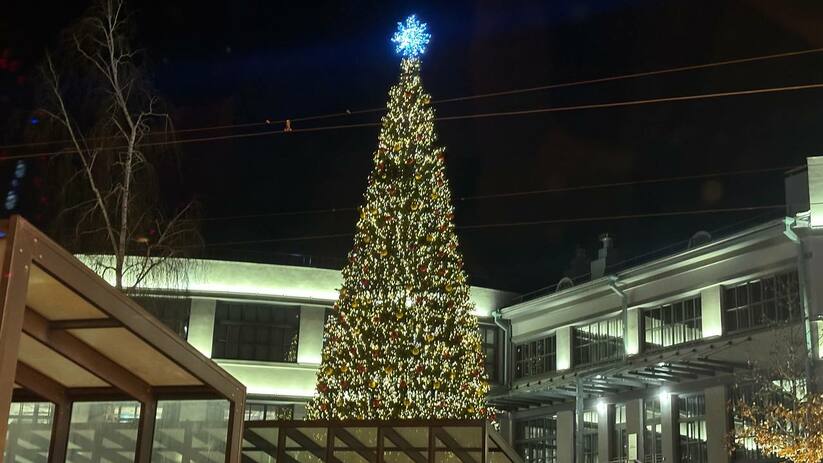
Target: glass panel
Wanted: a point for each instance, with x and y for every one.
(598, 341)
(673, 324)
(172, 311)
(356, 445)
(306, 445)
(416, 438)
(29, 432)
(535, 357)
(768, 300)
(536, 440)
(253, 331)
(190, 429)
(103, 431)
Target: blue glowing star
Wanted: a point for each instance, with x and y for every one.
(411, 38)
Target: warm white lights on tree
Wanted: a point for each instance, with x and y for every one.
(402, 341)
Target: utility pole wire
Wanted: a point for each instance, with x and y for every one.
(616, 104)
(517, 224)
(468, 97)
(334, 210)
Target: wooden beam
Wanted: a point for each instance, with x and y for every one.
(36, 326)
(234, 439)
(14, 279)
(40, 384)
(404, 445)
(60, 432)
(307, 444)
(453, 445)
(260, 443)
(84, 324)
(354, 444)
(78, 277)
(145, 432)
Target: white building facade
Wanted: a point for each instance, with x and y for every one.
(644, 364)
(636, 365)
(264, 324)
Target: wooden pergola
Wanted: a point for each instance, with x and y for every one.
(67, 336)
(375, 441)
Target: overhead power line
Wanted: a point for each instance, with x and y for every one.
(461, 98)
(517, 224)
(616, 104)
(513, 194)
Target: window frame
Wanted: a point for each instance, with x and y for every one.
(601, 346)
(537, 435)
(535, 357)
(676, 317)
(691, 411)
(768, 300)
(229, 342)
(492, 365)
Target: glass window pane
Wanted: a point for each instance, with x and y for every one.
(103, 431)
(254, 331)
(190, 427)
(29, 432)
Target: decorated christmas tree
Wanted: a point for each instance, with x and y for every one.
(402, 341)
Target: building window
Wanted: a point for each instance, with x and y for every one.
(692, 422)
(260, 411)
(29, 432)
(590, 436)
(671, 324)
(262, 332)
(621, 436)
(535, 357)
(172, 311)
(598, 341)
(490, 337)
(536, 440)
(31, 412)
(653, 430)
(761, 302)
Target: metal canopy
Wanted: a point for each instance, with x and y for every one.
(371, 441)
(667, 367)
(66, 335)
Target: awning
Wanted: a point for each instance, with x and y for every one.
(68, 336)
(664, 368)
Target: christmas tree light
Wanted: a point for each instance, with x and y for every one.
(402, 341)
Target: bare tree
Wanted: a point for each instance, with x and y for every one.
(111, 120)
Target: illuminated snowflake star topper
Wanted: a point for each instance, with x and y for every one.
(411, 38)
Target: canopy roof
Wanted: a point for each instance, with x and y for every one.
(66, 335)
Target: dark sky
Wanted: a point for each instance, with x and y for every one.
(238, 61)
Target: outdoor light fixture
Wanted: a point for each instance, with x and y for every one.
(664, 395)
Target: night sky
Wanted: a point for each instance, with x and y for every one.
(218, 63)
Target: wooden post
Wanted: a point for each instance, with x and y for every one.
(234, 439)
(13, 286)
(145, 431)
(60, 432)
